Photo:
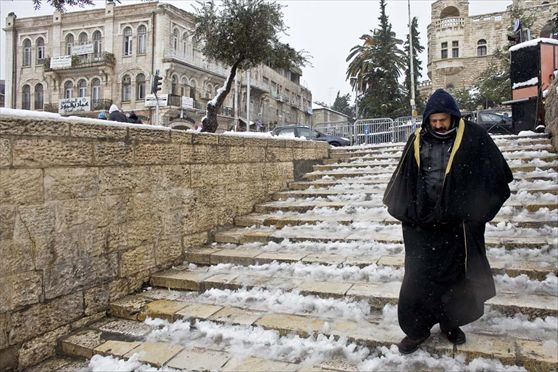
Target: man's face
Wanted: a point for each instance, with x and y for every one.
(440, 122)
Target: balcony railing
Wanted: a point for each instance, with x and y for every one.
(50, 107)
(100, 104)
(451, 22)
(196, 61)
(88, 60)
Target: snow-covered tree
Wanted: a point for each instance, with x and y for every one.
(375, 68)
(417, 67)
(342, 104)
(241, 34)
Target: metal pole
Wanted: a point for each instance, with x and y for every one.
(248, 100)
(412, 72)
(235, 102)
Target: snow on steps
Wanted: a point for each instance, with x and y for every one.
(292, 270)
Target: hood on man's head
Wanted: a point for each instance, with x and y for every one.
(113, 108)
(440, 102)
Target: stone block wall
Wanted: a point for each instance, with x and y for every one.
(88, 212)
(551, 113)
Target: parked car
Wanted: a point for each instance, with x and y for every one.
(491, 121)
(311, 134)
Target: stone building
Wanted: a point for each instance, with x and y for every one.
(110, 55)
(324, 115)
(460, 46)
(2, 93)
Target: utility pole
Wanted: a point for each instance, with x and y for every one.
(412, 71)
(235, 101)
(248, 100)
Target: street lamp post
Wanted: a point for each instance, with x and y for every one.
(412, 67)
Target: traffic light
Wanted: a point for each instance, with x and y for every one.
(156, 83)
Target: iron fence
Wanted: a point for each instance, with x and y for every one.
(370, 131)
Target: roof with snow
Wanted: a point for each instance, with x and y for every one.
(316, 106)
(533, 42)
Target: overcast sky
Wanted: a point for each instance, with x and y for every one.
(326, 29)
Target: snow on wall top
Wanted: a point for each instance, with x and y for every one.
(533, 42)
(533, 81)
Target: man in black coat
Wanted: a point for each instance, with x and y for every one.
(116, 115)
(451, 180)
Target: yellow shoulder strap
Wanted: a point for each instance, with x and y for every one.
(456, 144)
(417, 146)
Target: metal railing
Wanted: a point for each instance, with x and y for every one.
(369, 131)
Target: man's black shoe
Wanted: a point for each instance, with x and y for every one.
(408, 346)
(455, 336)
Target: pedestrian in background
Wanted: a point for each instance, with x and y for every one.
(102, 115)
(133, 118)
(116, 115)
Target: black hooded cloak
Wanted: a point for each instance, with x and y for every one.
(447, 275)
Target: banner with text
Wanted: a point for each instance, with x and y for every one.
(61, 62)
(74, 105)
(150, 100)
(83, 49)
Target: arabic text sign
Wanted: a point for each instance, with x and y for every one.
(61, 62)
(187, 103)
(83, 49)
(150, 100)
(73, 105)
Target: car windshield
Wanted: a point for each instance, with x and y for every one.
(306, 132)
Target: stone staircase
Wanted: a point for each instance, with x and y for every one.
(310, 281)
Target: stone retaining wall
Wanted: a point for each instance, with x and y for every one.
(89, 211)
(551, 114)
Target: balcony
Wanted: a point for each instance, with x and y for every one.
(50, 107)
(449, 66)
(86, 61)
(450, 23)
(100, 104)
(195, 61)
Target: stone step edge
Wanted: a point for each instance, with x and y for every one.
(159, 354)
(305, 326)
(280, 221)
(200, 281)
(529, 353)
(211, 255)
(238, 236)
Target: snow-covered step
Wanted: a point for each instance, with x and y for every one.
(384, 171)
(531, 204)
(378, 289)
(369, 191)
(377, 215)
(250, 254)
(311, 233)
(245, 339)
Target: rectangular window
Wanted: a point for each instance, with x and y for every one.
(455, 49)
(27, 56)
(40, 53)
(444, 54)
(141, 43)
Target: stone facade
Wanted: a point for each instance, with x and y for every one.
(324, 115)
(460, 46)
(89, 211)
(128, 44)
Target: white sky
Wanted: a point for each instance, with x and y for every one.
(326, 29)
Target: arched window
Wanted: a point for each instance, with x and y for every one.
(140, 86)
(40, 50)
(184, 86)
(174, 40)
(127, 48)
(450, 11)
(27, 52)
(481, 48)
(39, 99)
(126, 88)
(82, 88)
(97, 43)
(82, 38)
(96, 90)
(174, 84)
(68, 89)
(185, 44)
(193, 89)
(69, 44)
(142, 39)
(26, 97)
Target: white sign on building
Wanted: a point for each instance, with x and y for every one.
(150, 100)
(187, 102)
(83, 49)
(61, 62)
(74, 105)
